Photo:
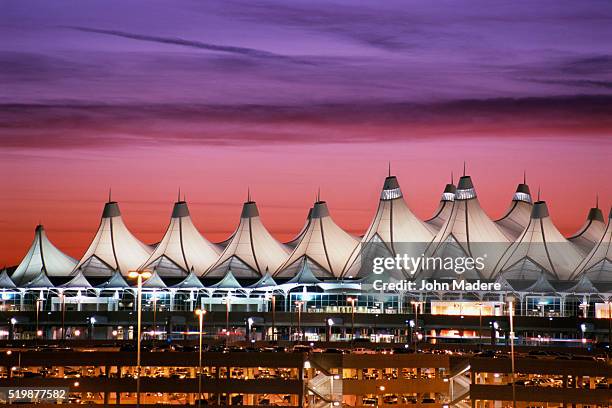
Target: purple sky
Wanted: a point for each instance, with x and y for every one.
(301, 53)
(285, 97)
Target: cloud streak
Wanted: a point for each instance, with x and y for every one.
(249, 52)
(103, 125)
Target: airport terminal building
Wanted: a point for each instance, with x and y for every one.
(326, 271)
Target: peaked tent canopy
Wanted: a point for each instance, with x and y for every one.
(113, 247)
(116, 281)
(182, 248)
(597, 265)
(541, 285)
(250, 250)
(5, 281)
(154, 282)
(304, 276)
(42, 256)
(516, 219)
(40, 281)
(540, 250)
(444, 209)
(395, 230)
(190, 282)
(583, 286)
(79, 281)
(468, 232)
(324, 244)
(505, 285)
(591, 231)
(229, 281)
(266, 281)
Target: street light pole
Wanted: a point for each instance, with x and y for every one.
(609, 309)
(273, 317)
(227, 311)
(352, 301)
(200, 313)
(38, 302)
(63, 306)
(154, 317)
(511, 312)
(416, 306)
(299, 304)
(139, 275)
(480, 328)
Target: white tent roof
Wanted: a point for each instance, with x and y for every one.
(116, 281)
(5, 281)
(591, 231)
(251, 249)
(228, 281)
(79, 281)
(467, 232)
(182, 248)
(597, 265)
(266, 281)
(42, 256)
(516, 218)
(324, 244)
(541, 285)
(394, 230)
(154, 282)
(444, 209)
(113, 247)
(190, 282)
(39, 281)
(540, 250)
(304, 276)
(583, 286)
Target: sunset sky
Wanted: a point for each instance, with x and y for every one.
(288, 97)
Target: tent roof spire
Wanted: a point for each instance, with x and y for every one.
(524, 176)
(539, 191)
(110, 194)
(389, 173)
(452, 178)
(249, 194)
(464, 169)
(178, 197)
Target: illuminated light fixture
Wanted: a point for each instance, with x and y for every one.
(143, 274)
(307, 364)
(518, 196)
(391, 194)
(465, 194)
(382, 388)
(77, 332)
